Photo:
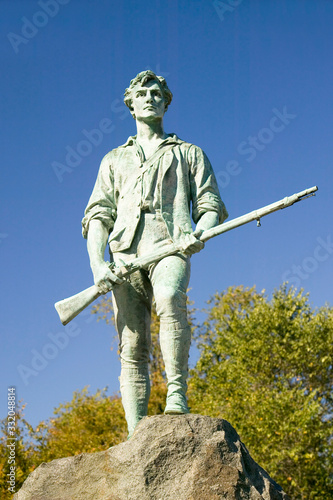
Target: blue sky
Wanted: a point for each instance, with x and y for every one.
(252, 84)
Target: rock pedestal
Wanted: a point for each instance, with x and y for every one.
(169, 457)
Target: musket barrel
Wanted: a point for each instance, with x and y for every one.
(308, 191)
(257, 214)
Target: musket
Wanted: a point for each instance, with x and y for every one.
(69, 308)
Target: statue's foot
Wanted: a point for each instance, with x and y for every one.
(131, 427)
(176, 405)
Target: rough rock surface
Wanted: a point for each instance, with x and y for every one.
(183, 457)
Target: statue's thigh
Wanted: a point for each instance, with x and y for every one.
(132, 311)
(170, 278)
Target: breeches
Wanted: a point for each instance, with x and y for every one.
(167, 281)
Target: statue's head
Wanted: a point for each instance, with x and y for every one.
(140, 80)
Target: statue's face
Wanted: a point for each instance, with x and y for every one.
(148, 101)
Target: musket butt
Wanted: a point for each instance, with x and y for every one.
(63, 313)
(69, 308)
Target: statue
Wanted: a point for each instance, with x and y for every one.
(140, 202)
(140, 205)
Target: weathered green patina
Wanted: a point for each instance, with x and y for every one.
(143, 199)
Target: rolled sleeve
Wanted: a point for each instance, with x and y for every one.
(101, 205)
(205, 193)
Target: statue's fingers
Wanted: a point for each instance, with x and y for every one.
(197, 233)
(186, 243)
(196, 247)
(103, 286)
(109, 283)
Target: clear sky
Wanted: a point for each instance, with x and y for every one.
(252, 84)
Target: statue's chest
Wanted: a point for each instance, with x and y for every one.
(147, 149)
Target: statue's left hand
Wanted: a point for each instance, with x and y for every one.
(190, 243)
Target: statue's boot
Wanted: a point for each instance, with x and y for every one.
(135, 392)
(175, 346)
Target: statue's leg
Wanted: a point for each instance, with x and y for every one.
(132, 308)
(170, 278)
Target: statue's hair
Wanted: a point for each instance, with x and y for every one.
(144, 77)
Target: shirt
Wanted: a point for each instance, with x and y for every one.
(177, 180)
(149, 176)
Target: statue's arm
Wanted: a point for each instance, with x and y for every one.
(98, 222)
(205, 195)
(207, 207)
(96, 243)
(101, 205)
(97, 239)
(206, 221)
(191, 242)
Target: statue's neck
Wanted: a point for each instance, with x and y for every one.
(150, 131)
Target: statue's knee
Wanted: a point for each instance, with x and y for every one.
(170, 302)
(134, 351)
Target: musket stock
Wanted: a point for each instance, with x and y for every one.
(69, 308)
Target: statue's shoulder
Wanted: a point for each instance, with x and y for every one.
(193, 152)
(120, 149)
(116, 153)
(184, 145)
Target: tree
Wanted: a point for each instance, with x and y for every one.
(89, 423)
(266, 367)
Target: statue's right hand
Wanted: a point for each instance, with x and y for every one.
(104, 278)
